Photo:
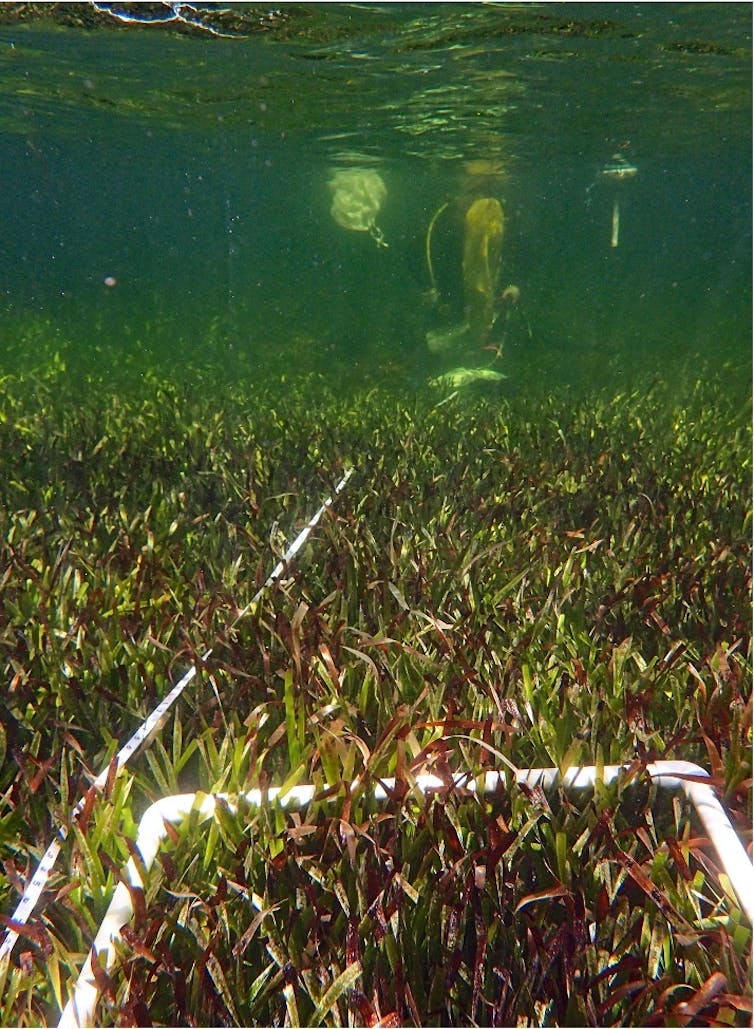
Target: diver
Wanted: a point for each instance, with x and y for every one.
(475, 345)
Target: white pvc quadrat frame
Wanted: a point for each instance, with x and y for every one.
(153, 829)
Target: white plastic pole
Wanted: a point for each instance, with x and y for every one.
(672, 775)
(615, 231)
(148, 728)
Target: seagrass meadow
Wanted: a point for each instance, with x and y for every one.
(536, 576)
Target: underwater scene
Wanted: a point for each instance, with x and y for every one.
(375, 428)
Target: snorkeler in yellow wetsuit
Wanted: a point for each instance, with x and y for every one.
(483, 232)
(482, 254)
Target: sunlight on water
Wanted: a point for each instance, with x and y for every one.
(168, 198)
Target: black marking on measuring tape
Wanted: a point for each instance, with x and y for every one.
(149, 727)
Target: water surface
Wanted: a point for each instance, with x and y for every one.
(165, 196)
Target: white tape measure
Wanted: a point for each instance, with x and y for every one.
(150, 726)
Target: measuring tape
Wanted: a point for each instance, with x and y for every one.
(149, 727)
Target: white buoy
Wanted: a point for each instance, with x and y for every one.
(617, 170)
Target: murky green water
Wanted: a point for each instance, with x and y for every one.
(563, 566)
(165, 199)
